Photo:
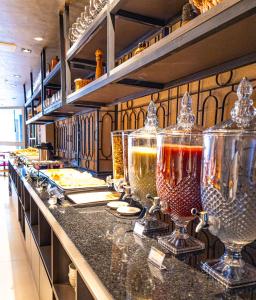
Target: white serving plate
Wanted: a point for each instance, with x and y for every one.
(117, 204)
(128, 210)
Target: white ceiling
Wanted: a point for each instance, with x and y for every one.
(20, 22)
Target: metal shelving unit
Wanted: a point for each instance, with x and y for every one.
(213, 42)
(198, 48)
(53, 78)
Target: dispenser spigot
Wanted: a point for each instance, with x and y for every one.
(155, 208)
(109, 181)
(127, 192)
(118, 184)
(203, 219)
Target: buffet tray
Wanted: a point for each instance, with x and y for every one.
(101, 197)
(70, 188)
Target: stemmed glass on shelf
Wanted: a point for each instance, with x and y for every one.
(82, 23)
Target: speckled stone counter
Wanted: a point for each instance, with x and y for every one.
(119, 258)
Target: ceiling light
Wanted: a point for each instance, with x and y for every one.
(12, 84)
(26, 50)
(38, 38)
(8, 47)
(14, 98)
(15, 75)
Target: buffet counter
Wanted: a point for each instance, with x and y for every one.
(112, 262)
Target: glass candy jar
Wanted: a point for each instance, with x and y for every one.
(178, 177)
(229, 189)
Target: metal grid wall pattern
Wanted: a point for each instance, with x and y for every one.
(213, 98)
(86, 137)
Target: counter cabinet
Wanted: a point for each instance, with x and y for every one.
(111, 262)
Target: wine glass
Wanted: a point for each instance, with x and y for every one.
(98, 4)
(71, 36)
(80, 25)
(75, 31)
(92, 8)
(88, 17)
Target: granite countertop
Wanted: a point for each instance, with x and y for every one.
(119, 258)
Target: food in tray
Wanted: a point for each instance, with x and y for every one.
(72, 179)
(94, 197)
(45, 164)
(30, 151)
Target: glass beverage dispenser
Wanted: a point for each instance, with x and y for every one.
(179, 153)
(142, 157)
(229, 189)
(142, 169)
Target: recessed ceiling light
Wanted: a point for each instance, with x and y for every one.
(8, 47)
(15, 75)
(14, 98)
(12, 84)
(26, 50)
(38, 38)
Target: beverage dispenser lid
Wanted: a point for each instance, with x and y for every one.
(243, 113)
(185, 121)
(151, 124)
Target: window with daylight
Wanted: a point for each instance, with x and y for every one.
(11, 129)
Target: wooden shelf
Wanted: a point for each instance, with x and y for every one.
(212, 40)
(133, 32)
(35, 96)
(134, 20)
(40, 119)
(138, 20)
(159, 11)
(60, 110)
(219, 40)
(53, 78)
(107, 94)
(94, 37)
(64, 292)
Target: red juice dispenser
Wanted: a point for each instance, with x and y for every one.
(178, 171)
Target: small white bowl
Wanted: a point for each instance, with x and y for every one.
(117, 204)
(128, 211)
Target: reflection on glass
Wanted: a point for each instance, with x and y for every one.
(125, 135)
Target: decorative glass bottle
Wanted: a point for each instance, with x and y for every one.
(229, 189)
(179, 152)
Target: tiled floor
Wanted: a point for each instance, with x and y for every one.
(16, 280)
